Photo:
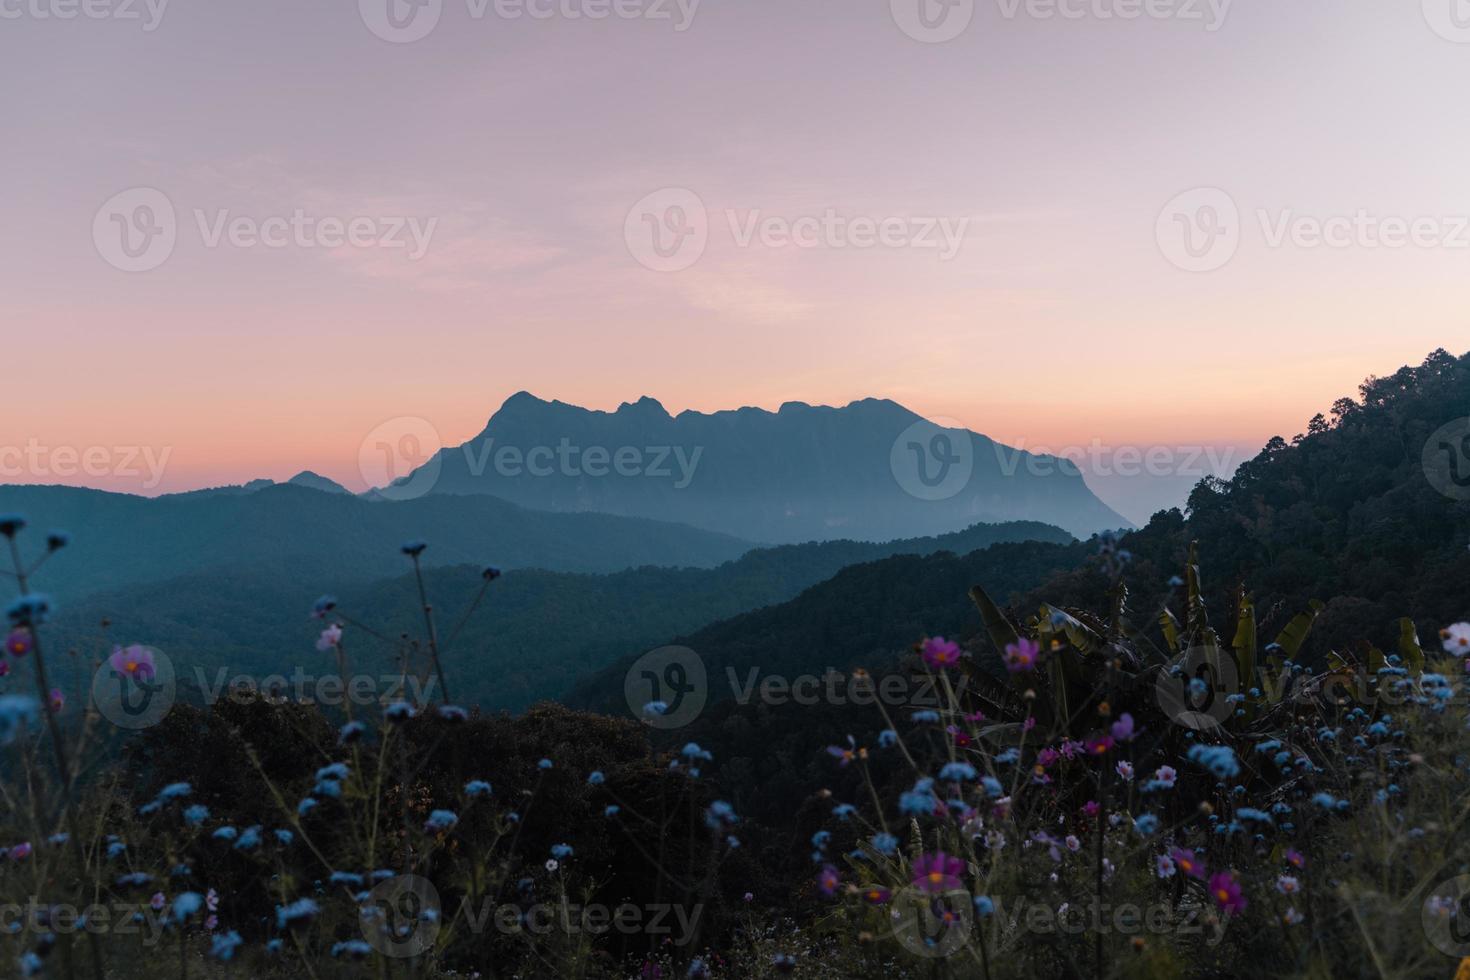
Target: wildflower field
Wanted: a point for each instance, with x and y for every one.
(1105, 809)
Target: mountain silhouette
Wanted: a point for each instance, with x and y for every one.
(872, 470)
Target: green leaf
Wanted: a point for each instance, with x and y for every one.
(1295, 634)
(1409, 647)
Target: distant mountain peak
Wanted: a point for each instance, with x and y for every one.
(315, 481)
(644, 407)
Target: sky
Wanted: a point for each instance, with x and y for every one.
(242, 238)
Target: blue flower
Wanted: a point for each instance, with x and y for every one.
(399, 711)
(957, 772)
(351, 732)
(354, 948)
(561, 851)
(186, 905)
(453, 712)
(285, 837)
(887, 738)
(305, 806)
(984, 906)
(223, 947)
(346, 878)
(1146, 823)
(301, 910)
(1218, 759)
(174, 791)
(249, 840)
(720, 815)
(18, 713)
(596, 779)
(29, 610)
(476, 788)
(226, 833)
(544, 765)
(336, 771)
(992, 785)
(196, 814)
(884, 843)
(440, 820)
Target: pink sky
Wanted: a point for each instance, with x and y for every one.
(1060, 321)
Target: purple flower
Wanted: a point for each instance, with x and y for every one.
(939, 653)
(937, 872)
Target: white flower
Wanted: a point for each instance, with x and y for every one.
(551, 864)
(1456, 639)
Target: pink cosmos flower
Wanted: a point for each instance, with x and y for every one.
(1099, 744)
(1123, 728)
(1225, 890)
(939, 653)
(157, 902)
(1295, 858)
(19, 642)
(330, 639)
(1187, 862)
(1028, 724)
(1070, 748)
(1125, 769)
(937, 872)
(1166, 775)
(828, 880)
(135, 662)
(20, 852)
(1164, 865)
(1090, 808)
(57, 699)
(1022, 655)
(1047, 757)
(877, 896)
(1456, 639)
(960, 737)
